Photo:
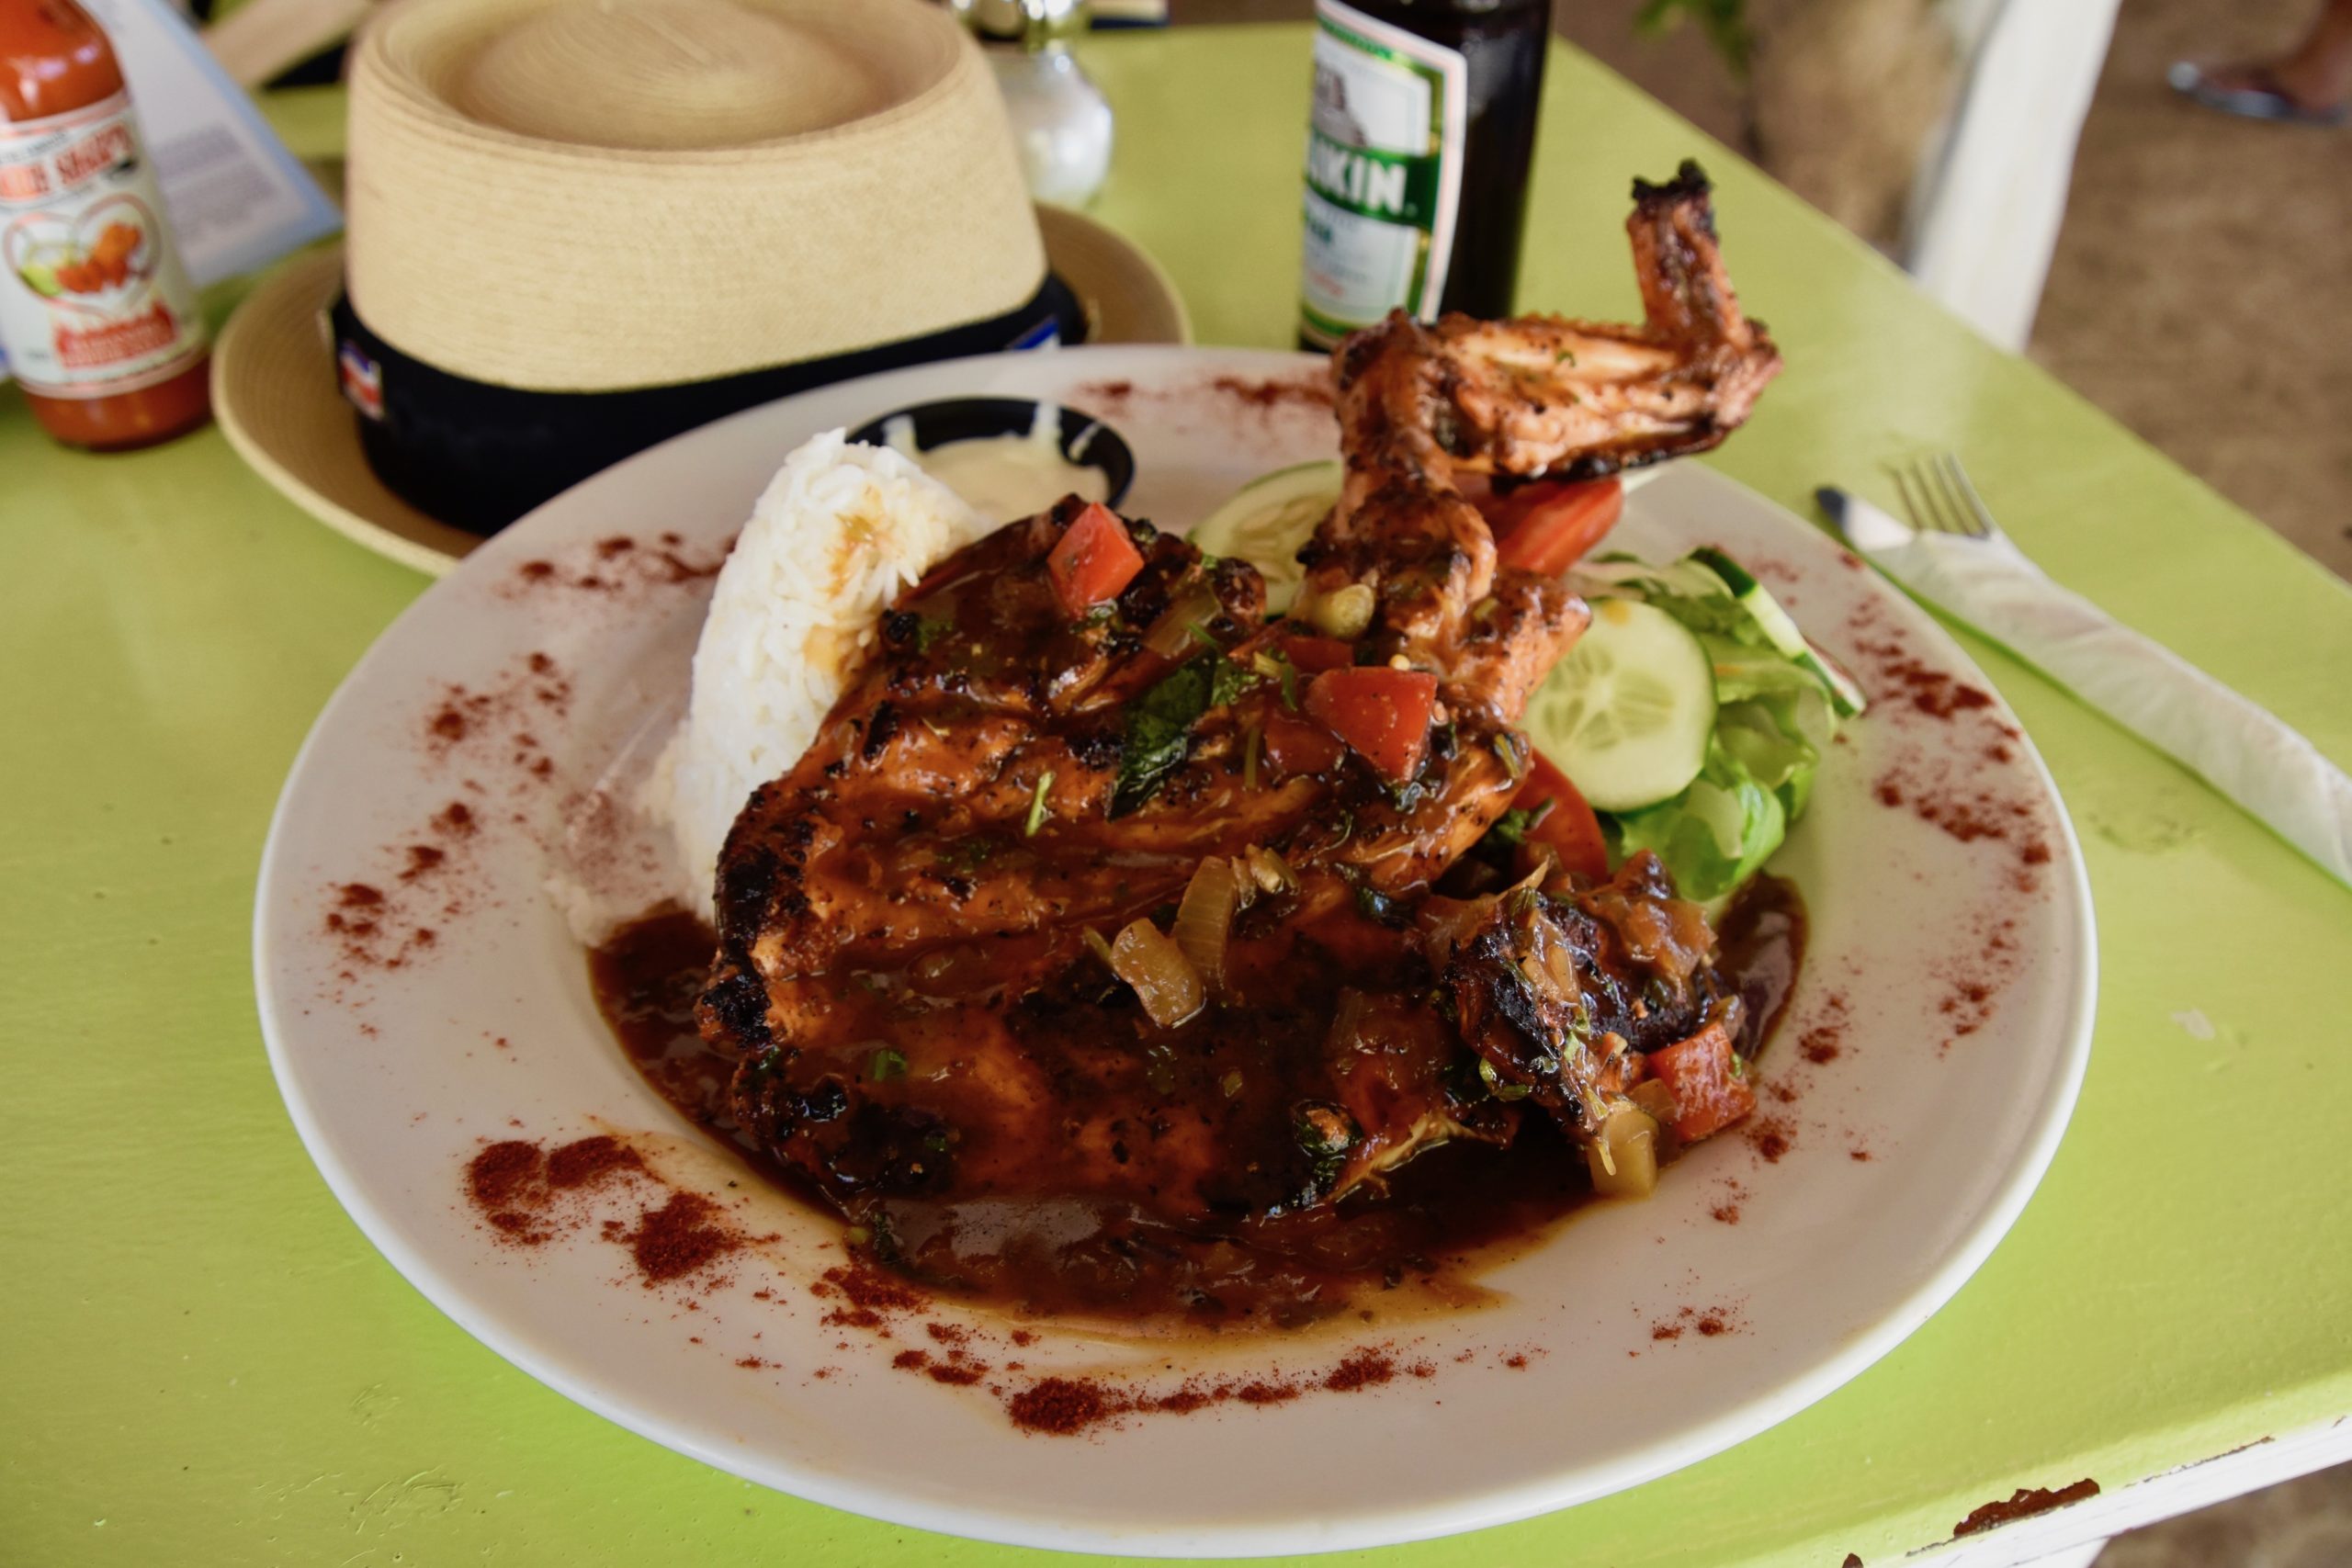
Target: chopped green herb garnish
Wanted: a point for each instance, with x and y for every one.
(967, 854)
(1159, 728)
(1038, 810)
(1374, 905)
(929, 630)
(1511, 749)
(886, 1238)
(1513, 826)
(1275, 667)
(1227, 680)
(1566, 356)
(1404, 796)
(1159, 734)
(1325, 1133)
(884, 1065)
(1498, 1086)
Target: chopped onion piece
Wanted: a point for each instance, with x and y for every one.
(1344, 613)
(1163, 978)
(1204, 918)
(1245, 885)
(1171, 635)
(1269, 871)
(1623, 1159)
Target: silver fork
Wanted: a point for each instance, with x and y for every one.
(1940, 498)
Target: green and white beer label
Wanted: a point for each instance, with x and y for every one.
(1384, 173)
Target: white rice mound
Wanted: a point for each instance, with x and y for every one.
(839, 531)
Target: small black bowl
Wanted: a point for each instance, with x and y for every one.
(1086, 441)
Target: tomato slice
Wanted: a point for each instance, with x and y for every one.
(1546, 527)
(1093, 561)
(1569, 827)
(1313, 655)
(1294, 746)
(1383, 714)
(1709, 1092)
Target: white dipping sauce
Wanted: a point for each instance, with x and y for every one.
(1004, 477)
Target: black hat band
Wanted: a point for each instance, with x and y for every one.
(478, 455)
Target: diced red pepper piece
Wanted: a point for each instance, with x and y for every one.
(1710, 1094)
(1313, 655)
(1569, 827)
(1546, 527)
(1294, 746)
(1093, 561)
(1383, 714)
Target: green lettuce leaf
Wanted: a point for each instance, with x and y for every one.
(1713, 836)
(1774, 720)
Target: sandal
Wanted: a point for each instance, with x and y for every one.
(2262, 96)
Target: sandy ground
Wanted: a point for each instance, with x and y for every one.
(2201, 292)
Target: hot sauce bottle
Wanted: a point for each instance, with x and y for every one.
(97, 313)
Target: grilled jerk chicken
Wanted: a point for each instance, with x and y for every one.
(1429, 414)
(1105, 913)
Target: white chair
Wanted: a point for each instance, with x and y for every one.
(1983, 214)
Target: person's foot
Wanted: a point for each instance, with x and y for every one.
(2288, 93)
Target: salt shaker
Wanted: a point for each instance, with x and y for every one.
(1059, 117)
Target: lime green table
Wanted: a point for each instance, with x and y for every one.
(201, 1361)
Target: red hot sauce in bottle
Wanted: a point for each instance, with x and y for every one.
(97, 313)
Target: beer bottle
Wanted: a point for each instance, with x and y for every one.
(1416, 156)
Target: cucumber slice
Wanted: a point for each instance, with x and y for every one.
(1628, 713)
(1780, 630)
(1846, 693)
(1684, 578)
(1267, 520)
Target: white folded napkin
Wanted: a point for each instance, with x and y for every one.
(2239, 748)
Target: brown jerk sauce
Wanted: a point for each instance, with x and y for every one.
(1441, 1218)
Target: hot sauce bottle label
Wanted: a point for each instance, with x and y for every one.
(1384, 173)
(93, 299)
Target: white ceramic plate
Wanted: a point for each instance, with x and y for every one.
(397, 1075)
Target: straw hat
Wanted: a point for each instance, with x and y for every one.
(573, 222)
